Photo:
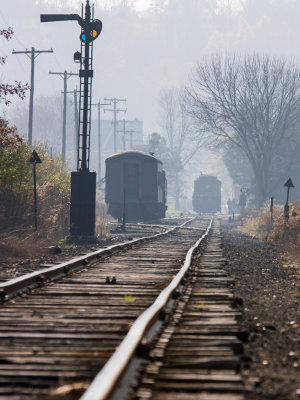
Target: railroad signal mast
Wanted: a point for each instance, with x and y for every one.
(83, 182)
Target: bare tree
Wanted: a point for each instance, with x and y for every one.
(251, 102)
(176, 125)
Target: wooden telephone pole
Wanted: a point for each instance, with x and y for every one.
(32, 54)
(115, 111)
(65, 75)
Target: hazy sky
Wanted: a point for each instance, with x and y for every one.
(136, 56)
(142, 5)
(139, 54)
(29, 32)
(116, 62)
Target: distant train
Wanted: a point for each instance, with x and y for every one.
(207, 194)
(136, 184)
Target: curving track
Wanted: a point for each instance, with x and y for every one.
(56, 338)
(196, 355)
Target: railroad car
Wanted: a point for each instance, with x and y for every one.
(207, 194)
(136, 184)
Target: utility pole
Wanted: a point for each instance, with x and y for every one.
(131, 131)
(115, 111)
(124, 131)
(32, 54)
(99, 135)
(65, 75)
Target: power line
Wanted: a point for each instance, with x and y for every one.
(131, 131)
(32, 54)
(115, 111)
(124, 131)
(65, 75)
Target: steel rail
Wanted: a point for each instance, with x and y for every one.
(18, 285)
(105, 381)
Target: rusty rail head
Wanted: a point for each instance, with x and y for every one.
(32, 280)
(105, 381)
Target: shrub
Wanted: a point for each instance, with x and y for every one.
(16, 186)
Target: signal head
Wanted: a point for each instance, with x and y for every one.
(92, 31)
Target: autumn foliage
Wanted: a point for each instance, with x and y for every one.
(16, 188)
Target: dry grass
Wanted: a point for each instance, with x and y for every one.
(18, 236)
(102, 218)
(256, 222)
(285, 234)
(20, 239)
(29, 246)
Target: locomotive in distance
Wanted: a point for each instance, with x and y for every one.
(136, 186)
(207, 194)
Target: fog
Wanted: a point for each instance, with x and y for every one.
(144, 48)
(140, 53)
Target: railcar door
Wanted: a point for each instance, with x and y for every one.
(131, 180)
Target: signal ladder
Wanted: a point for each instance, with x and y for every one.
(85, 96)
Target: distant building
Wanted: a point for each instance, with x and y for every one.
(133, 138)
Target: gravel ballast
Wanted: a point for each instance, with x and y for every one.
(270, 293)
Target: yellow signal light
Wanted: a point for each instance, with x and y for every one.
(94, 33)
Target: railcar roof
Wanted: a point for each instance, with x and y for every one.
(132, 154)
(208, 178)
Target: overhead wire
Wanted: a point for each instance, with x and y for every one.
(38, 67)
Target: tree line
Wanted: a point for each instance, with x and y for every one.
(245, 106)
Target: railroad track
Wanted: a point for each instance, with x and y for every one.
(196, 356)
(136, 230)
(60, 325)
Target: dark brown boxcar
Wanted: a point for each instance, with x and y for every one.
(137, 180)
(207, 194)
